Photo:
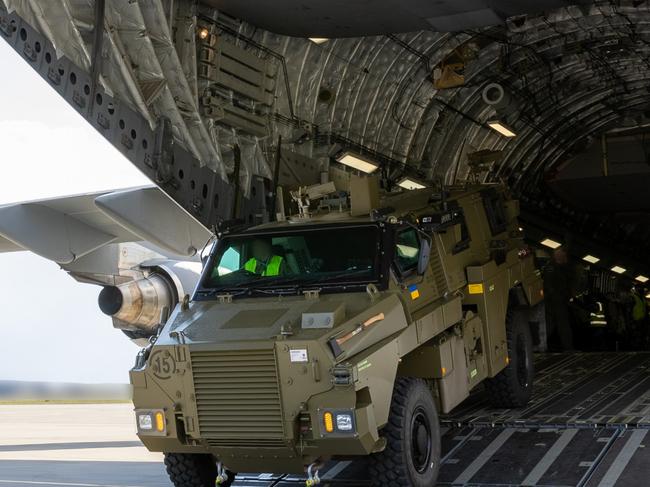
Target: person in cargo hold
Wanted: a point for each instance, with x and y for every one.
(558, 289)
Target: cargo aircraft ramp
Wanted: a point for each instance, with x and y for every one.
(586, 426)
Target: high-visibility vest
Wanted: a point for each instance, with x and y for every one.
(272, 267)
(638, 311)
(598, 319)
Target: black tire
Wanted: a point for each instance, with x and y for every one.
(193, 470)
(412, 454)
(513, 386)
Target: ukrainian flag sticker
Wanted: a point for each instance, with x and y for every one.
(415, 294)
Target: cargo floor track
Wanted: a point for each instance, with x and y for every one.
(587, 425)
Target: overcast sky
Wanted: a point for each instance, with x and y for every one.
(50, 326)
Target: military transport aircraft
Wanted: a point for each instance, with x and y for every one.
(222, 102)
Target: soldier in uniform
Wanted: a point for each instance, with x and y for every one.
(639, 324)
(557, 292)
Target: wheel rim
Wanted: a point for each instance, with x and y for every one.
(522, 361)
(421, 440)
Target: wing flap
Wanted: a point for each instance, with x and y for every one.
(8, 246)
(155, 218)
(49, 233)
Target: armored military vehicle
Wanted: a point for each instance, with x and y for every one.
(342, 332)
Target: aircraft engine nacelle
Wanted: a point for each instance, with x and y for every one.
(137, 306)
(138, 303)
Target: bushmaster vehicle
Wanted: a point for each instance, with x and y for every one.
(341, 333)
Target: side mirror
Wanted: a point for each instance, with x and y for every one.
(425, 254)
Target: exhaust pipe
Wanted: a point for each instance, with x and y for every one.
(138, 304)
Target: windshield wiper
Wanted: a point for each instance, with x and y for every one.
(233, 291)
(291, 280)
(276, 292)
(301, 281)
(345, 275)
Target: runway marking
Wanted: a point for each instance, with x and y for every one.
(67, 484)
(84, 445)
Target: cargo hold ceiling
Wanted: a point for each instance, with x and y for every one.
(417, 93)
(356, 18)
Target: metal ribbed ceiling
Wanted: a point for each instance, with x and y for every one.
(570, 72)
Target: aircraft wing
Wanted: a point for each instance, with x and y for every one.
(66, 230)
(8, 246)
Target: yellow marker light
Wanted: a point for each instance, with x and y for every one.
(160, 421)
(328, 420)
(203, 34)
(507, 360)
(444, 371)
(475, 288)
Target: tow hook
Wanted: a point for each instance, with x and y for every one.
(222, 474)
(312, 475)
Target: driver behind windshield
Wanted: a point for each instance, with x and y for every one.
(263, 262)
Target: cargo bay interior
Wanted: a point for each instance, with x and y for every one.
(551, 98)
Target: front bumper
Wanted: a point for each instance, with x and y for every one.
(252, 409)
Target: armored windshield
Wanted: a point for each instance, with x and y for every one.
(315, 256)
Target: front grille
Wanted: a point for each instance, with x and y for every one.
(238, 398)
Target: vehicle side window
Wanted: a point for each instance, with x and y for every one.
(230, 262)
(463, 242)
(495, 212)
(407, 250)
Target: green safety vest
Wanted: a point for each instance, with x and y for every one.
(272, 268)
(598, 319)
(638, 311)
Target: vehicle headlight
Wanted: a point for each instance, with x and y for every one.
(145, 422)
(337, 422)
(151, 422)
(344, 422)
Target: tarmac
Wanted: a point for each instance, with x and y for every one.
(77, 445)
